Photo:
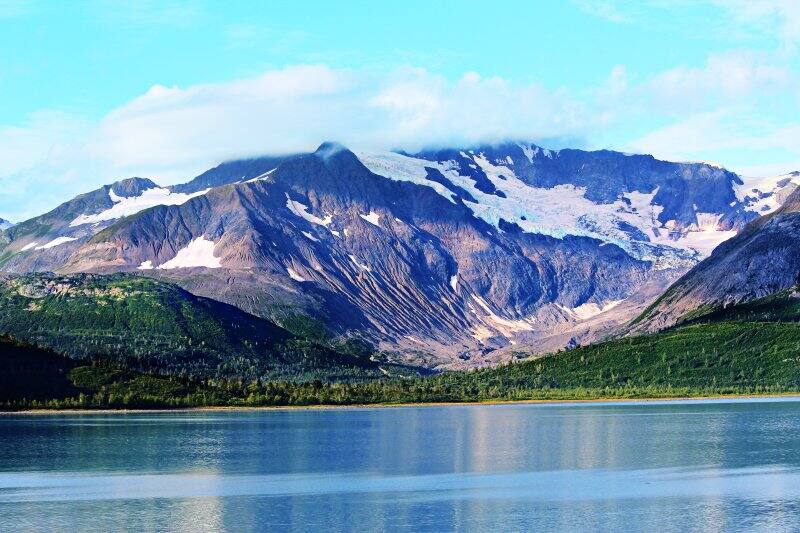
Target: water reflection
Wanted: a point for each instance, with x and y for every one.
(674, 467)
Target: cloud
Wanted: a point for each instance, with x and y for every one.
(169, 129)
(727, 131)
(773, 17)
(725, 78)
(171, 134)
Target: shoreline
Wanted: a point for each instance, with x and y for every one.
(575, 401)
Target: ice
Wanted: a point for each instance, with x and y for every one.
(373, 218)
(558, 211)
(55, 242)
(309, 236)
(198, 253)
(301, 210)
(124, 206)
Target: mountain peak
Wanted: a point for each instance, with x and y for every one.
(132, 186)
(329, 149)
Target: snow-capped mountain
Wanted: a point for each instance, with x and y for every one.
(657, 211)
(444, 255)
(764, 195)
(761, 260)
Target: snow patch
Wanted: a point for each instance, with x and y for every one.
(124, 206)
(588, 310)
(198, 253)
(528, 151)
(28, 246)
(309, 236)
(261, 176)
(294, 275)
(765, 195)
(302, 211)
(505, 326)
(454, 281)
(55, 242)
(403, 168)
(362, 266)
(146, 265)
(373, 218)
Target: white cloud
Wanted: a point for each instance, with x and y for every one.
(727, 131)
(776, 17)
(170, 134)
(726, 77)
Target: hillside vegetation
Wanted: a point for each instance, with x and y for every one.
(152, 326)
(748, 349)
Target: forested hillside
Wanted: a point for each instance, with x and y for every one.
(748, 349)
(152, 326)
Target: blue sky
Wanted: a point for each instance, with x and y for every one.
(95, 91)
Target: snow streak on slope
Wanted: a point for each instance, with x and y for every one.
(302, 211)
(55, 242)
(124, 207)
(198, 253)
(631, 222)
(373, 218)
(294, 275)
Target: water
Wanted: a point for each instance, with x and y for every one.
(676, 466)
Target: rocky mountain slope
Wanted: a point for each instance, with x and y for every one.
(763, 259)
(442, 256)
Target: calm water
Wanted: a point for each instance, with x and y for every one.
(713, 466)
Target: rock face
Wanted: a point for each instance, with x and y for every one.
(441, 256)
(764, 258)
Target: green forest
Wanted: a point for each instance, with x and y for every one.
(699, 359)
(153, 350)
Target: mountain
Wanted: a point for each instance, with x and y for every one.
(47, 240)
(441, 257)
(763, 259)
(5, 224)
(147, 325)
(765, 195)
(231, 172)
